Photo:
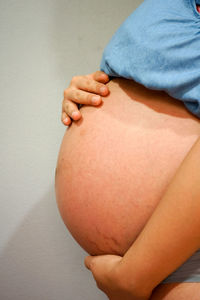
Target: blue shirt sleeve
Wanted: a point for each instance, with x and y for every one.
(158, 46)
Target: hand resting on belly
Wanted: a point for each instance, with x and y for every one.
(116, 162)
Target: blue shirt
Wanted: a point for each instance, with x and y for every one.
(158, 46)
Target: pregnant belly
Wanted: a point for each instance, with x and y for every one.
(115, 164)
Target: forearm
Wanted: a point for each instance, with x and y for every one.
(172, 233)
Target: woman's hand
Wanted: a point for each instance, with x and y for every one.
(87, 90)
(109, 277)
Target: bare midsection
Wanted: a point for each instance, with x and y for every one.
(115, 164)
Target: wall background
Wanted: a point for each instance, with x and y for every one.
(43, 43)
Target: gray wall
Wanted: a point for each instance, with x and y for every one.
(43, 43)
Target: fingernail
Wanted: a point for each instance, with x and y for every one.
(95, 99)
(75, 114)
(66, 120)
(103, 90)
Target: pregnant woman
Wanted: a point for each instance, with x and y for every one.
(115, 166)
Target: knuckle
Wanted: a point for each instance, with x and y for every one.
(89, 98)
(66, 92)
(97, 74)
(66, 106)
(92, 266)
(90, 76)
(74, 79)
(88, 83)
(77, 94)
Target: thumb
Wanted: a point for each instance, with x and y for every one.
(105, 261)
(88, 261)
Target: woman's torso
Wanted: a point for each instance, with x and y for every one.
(115, 164)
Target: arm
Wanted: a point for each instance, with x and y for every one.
(172, 234)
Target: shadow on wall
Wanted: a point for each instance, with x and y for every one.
(42, 261)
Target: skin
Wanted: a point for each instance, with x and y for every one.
(87, 90)
(172, 113)
(172, 231)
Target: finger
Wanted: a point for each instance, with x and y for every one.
(99, 263)
(88, 262)
(82, 97)
(65, 119)
(100, 76)
(87, 84)
(70, 108)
